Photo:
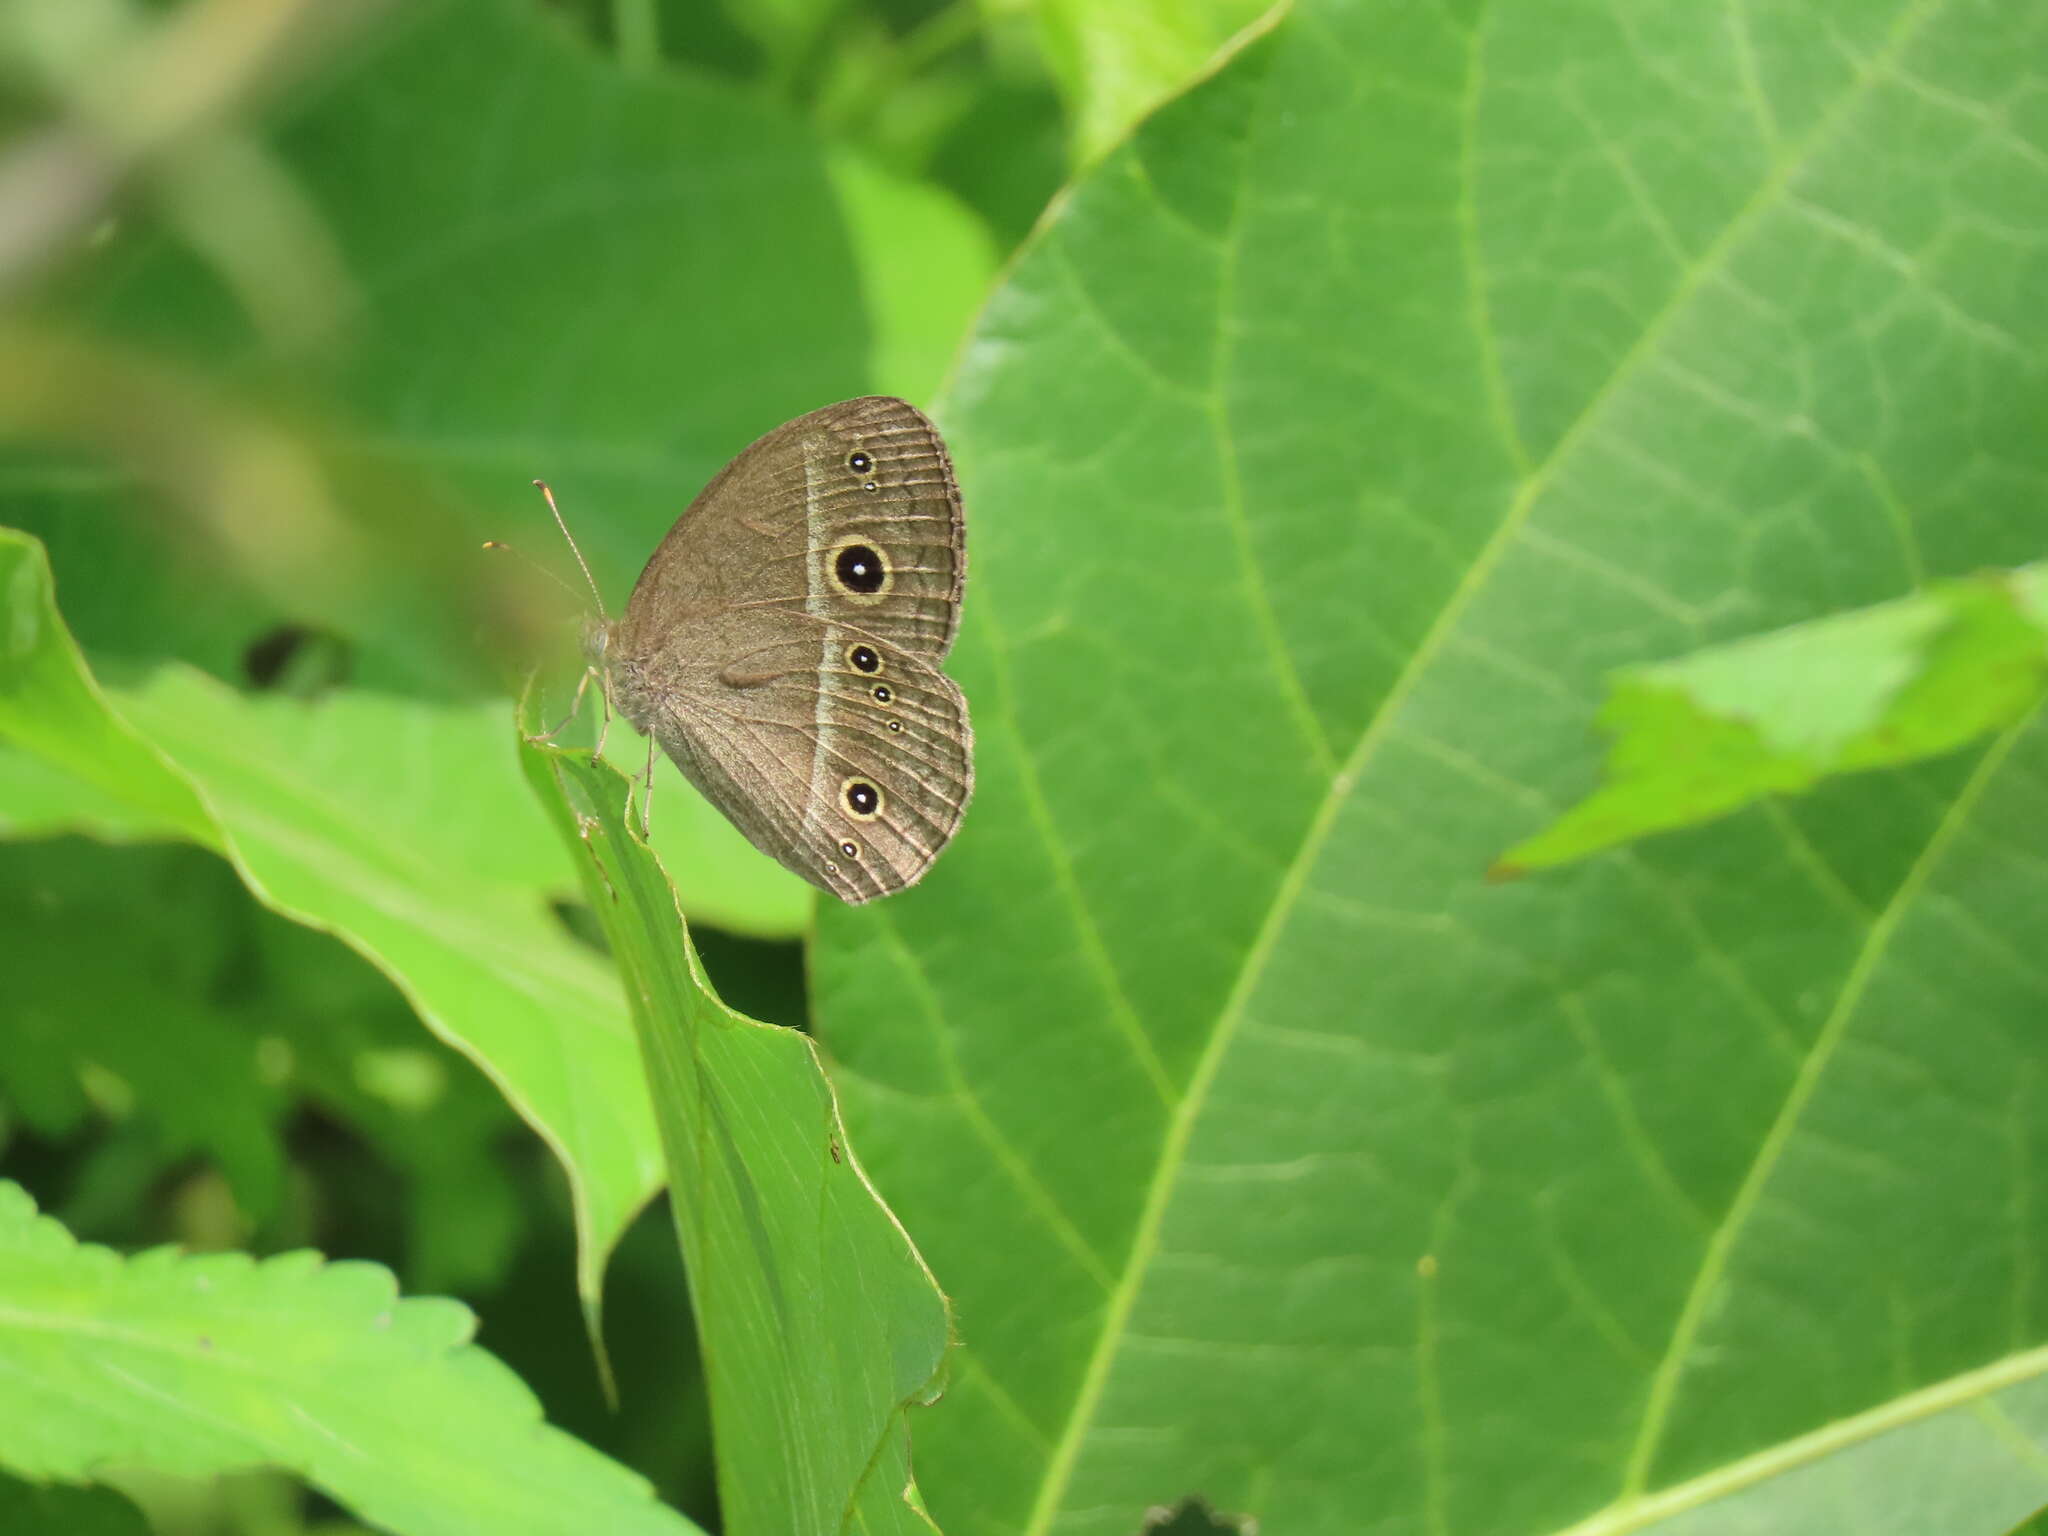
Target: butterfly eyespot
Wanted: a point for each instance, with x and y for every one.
(831, 868)
(895, 725)
(863, 658)
(860, 570)
(863, 800)
(859, 462)
(850, 849)
(882, 693)
(871, 486)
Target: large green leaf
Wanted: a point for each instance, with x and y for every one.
(1322, 456)
(197, 1365)
(818, 1321)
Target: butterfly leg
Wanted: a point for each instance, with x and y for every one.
(575, 708)
(647, 792)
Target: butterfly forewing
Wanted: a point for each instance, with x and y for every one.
(782, 645)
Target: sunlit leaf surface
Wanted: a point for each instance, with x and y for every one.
(1323, 456)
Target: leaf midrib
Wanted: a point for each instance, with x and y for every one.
(1736, 1477)
(1699, 1299)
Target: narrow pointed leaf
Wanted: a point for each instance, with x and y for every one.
(819, 1323)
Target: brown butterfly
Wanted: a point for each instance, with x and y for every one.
(783, 646)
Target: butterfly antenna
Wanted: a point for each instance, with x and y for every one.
(499, 545)
(542, 485)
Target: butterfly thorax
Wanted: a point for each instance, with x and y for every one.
(624, 684)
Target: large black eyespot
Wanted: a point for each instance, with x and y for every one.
(859, 462)
(882, 693)
(862, 798)
(862, 658)
(860, 569)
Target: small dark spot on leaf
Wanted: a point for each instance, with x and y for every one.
(1192, 1516)
(298, 660)
(580, 923)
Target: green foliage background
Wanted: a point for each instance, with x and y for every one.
(1341, 394)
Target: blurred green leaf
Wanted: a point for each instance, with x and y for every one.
(1003, 149)
(29, 1509)
(148, 984)
(1115, 63)
(51, 709)
(564, 271)
(203, 1364)
(819, 1323)
(355, 1050)
(1706, 734)
(40, 799)
(787, 32)
(1324, 453)
(404, 829)
(114, 965)
(926, 264)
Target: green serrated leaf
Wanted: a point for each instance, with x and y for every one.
(1709, 733)
(197, 1365)
(818, 1321)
